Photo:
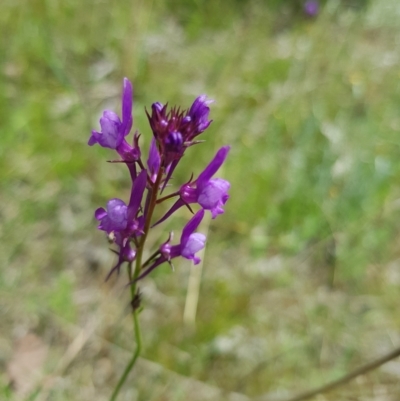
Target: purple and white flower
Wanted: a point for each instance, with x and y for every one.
(210, 193)
(190, 243)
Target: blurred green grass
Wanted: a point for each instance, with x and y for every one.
(301, 273)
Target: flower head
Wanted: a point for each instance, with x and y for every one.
(127, 224)
(175, 130)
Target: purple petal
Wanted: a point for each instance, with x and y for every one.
(195, 243)
(191, 226)
(115, 218)
(117, 214)
(132, 171)
(154, 159)
(199, 112)
(138, 188)
(109, 137)
(157, 106)
(110, 133)
(127, 100)
(94, 138)
(111, 116)
(213, 166)
(113, 130)
(214, 195)
(100, 213)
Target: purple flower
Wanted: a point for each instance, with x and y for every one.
(118, 217)
(189, 245)
(127, 224)
(114, 217)
(174, 130)
(122, 222)
(210, 193)
(199, 114)
(311, 8)
(114, 131)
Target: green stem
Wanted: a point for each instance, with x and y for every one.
(138, 337)
(132, 362)
(134, 294)
(167, 197)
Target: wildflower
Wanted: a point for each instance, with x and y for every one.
(198, 114)
(128, 225)
(122, 222)
(114, 131)
(210, 193)
(114, 218)
(190, 244)
(118, 217)
(174, 130)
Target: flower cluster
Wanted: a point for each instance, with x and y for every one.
(127, 224)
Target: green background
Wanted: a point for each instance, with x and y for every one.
(301, 275)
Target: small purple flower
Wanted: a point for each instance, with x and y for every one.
(114, 217)
(210, 193)
(122, 221)
(189, 245)
(174, 130)
(118, 217)
(199, 114)
(113, 130)
(311, 8)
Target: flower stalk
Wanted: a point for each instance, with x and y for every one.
(127, 225)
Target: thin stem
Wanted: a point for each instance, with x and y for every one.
(150, 259)
(133, 360)
(164, 198)
(134, 293)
